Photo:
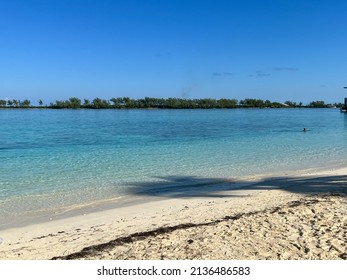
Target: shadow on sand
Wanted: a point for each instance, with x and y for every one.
(189, 186)
(184, 187)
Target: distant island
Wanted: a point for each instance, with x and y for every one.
(162, 103)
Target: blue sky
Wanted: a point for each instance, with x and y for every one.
(278, 50)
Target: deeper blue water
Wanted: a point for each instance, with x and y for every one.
(51, 159)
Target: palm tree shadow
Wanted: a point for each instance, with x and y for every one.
(307, 185)
(183, 186)
(191, 186)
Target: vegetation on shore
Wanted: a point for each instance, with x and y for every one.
(161, 103)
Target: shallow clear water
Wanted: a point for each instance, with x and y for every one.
(56, 158)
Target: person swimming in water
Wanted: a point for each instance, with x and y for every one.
(304, 130)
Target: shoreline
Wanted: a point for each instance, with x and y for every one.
(204, 185)
(71, 234)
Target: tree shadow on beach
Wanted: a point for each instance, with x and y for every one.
(190, 186)
(183, 186)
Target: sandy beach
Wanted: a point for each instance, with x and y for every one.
(292, 216)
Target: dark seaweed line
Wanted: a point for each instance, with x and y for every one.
(138, 236)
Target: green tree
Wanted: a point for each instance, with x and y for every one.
(227, 103)
(252, 103)
(25, 103)
(59, 104)
(291, 104)
(317, 104)
(100, 103)
(86, 103)
(74, 103)
(15, 102)
(268, 104)
(117, 102)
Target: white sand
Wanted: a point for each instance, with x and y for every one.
(254, 220)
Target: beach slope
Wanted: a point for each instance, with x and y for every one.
(289, 217)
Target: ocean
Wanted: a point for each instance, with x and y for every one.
(51, 160)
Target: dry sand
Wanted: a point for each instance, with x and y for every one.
(283, 217)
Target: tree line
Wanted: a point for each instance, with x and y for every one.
(161, 103)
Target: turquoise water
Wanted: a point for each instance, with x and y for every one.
(51, 159)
